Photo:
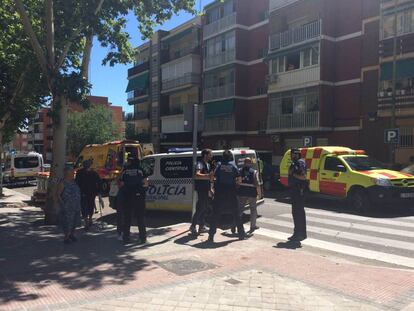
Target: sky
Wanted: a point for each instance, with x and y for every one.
(112, 81)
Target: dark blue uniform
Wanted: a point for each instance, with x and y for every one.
(203, 188)
(133, 195)
(298, 189)
(225, 196)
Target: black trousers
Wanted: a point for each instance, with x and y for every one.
(134, 206)
(298, 210)
(87, 204)
(201, 209)
(225, 198)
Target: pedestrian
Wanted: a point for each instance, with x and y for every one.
(247, 192)
(69, 198)
(298, 184)
(203, 177)
(133, 185)
(115, 202)
(89, 183)
(226, 178)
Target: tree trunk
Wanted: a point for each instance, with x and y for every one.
(86, 58)
(58, 162)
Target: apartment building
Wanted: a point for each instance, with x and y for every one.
(235, 36)
(40, 134)
(164, 85)
(330, 72)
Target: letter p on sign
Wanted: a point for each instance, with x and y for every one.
(392, 136)
(307, 141)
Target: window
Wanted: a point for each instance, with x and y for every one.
(315, 55)
(293, 61)
(388, 26)
(333, 164)
(287, 105)
(26, 162)
(300, 104)
(405, 23)
(148, 165)
(260, 90)
(306, 58)
(176, 167)
(312, 102)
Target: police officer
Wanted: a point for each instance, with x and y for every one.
(248, 191)
(133, 185)
(298, 184)
(226, 178)
(203, 177)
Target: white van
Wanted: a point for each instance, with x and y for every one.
(170, 177)
(22, 167)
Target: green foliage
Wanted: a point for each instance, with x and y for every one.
(93, 126)
(22, 87)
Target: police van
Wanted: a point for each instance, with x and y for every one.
(170, 177)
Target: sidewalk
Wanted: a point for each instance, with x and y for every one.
(13, 198)
(175, 272)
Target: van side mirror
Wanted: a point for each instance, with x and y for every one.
(341, 168)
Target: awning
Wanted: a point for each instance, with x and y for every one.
(219, 108)
(178, 36)
(405, 69)
(138, 83)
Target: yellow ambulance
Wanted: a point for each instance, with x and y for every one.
(109, 158)
(351, 174)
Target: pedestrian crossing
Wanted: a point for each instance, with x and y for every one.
(388, 240)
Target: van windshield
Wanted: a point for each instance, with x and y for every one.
(363, 163)
(26, 162)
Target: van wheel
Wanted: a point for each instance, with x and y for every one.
(358, 200)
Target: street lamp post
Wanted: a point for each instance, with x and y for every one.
(195, 130)
(394, 80)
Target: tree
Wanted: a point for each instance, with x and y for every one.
(22, 88)
(92, 126)
(61, 33)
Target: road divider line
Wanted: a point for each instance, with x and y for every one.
(343, 249)
(344, 235)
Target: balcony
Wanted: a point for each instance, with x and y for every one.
(38, 136)
(219, 25)
(136, 94)
(220, 124)
(141, 115)
(295, 36)
(172, 124)
(218, 92)
(299, 78)
(219, 59)
(188, 79)
(296, 121)
(278, 4)
(138, 69)
(168, 56)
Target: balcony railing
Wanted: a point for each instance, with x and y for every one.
(170, 56)
(223, 91)
(142, 115)
(188, 78)
(398, 93)
(220, 124)
(277, 4)
(172, 124)
(138, 69)
(219, 25)
(294, 78)
(136, 94)
(294, 121)
(219, 59)
(295, 36)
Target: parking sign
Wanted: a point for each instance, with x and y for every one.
(307, 141)
(392, 136)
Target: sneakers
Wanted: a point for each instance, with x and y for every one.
(210, 239)
(253, 229)
(193, 231)
(233, 230)
(202, 229)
